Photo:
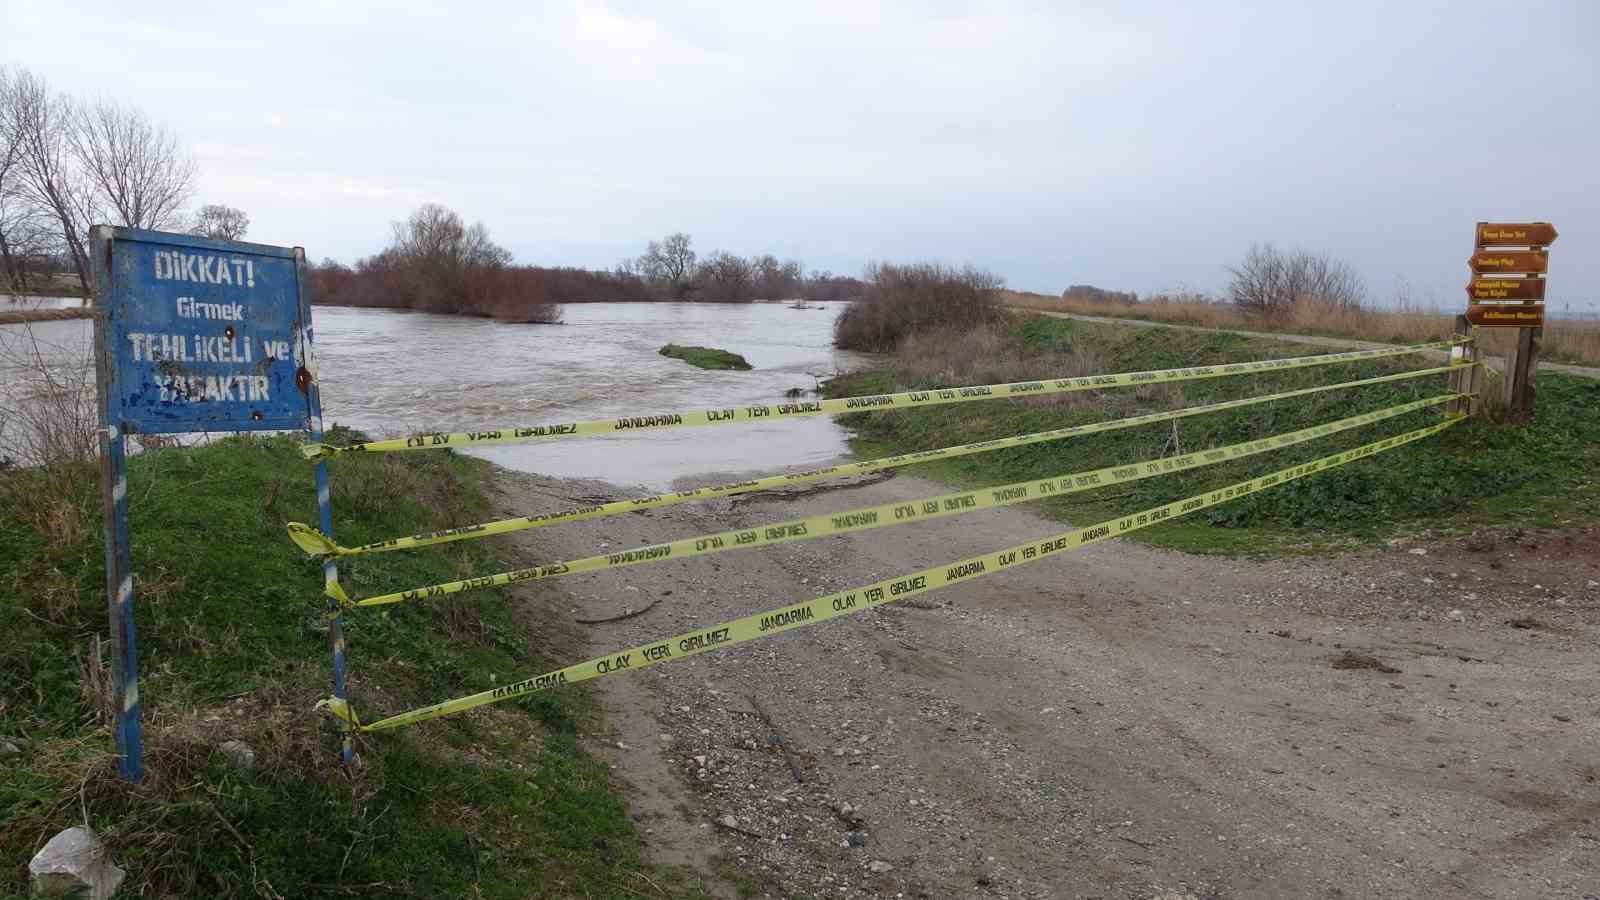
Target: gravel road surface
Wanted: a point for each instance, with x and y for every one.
(1418, 721)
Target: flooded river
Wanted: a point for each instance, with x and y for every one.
(391, 373)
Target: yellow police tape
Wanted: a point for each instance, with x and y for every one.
(855, 600)
(936, 397)
(867, 518)
(315, 543)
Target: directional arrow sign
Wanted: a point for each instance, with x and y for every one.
(1497, 262)
(1515, 234)
(1506, 289)
(1506, 316)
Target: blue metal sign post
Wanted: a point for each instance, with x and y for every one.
(192, 335)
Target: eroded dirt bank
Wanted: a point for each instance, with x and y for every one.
(1121, 722)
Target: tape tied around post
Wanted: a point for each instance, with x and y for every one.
(315, 543)
(856, 600)
(902, 400)
(897, 513)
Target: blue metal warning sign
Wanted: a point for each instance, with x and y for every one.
(191, 335)
(205, 335)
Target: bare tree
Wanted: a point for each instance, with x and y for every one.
(48, 177)
(671, 259)
(792, 277)
(726, 276)
(1270, 283)
(776, 280)
(767, 275)
(446, 263)
(140, 173)
(224, 223)
(438, 238)
(27, 243)
(825, 285)
(12, 274)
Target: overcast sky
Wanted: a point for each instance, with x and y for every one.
(1138, 146)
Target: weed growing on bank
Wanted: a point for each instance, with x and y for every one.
(233, 643)
(1476, 473)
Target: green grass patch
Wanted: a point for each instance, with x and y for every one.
(706, 357)
(233, 644)
(1478, 473)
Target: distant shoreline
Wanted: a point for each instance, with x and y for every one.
(25, 316)
(790, 300)
(809, 304)
(70, 293)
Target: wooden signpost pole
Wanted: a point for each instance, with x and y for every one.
(1465, 381)
(1507, 290)
(1521, 361)
(1521, 364)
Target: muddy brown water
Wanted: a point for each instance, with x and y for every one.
(390, 373)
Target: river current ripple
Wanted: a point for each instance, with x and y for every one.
(392, 373)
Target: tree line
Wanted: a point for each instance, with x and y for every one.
(671, 270)
(435, 262)
(67, 163)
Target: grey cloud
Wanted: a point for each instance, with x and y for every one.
(1137, 146)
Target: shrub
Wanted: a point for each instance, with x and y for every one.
(900, 300)
(1271, 284)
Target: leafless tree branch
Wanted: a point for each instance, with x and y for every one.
(40, 121)
(224, 223)
(1271, 283)
(671, 260)
(140, 173)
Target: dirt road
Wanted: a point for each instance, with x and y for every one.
(1313, 339)
(1120, 722)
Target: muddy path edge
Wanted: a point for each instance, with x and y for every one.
(993, 741)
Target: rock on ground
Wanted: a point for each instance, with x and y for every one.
(240, 754)
(74, 864)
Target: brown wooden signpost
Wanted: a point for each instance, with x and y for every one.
(1525, 234)
(1507, 290)
(1499, 288)
(1510, 315)
(1493, 262)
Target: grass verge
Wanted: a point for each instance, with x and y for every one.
(1565, 340)
(706, 357)
(498, 803)
(1545, 474)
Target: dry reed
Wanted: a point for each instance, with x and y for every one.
(1564, 341)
